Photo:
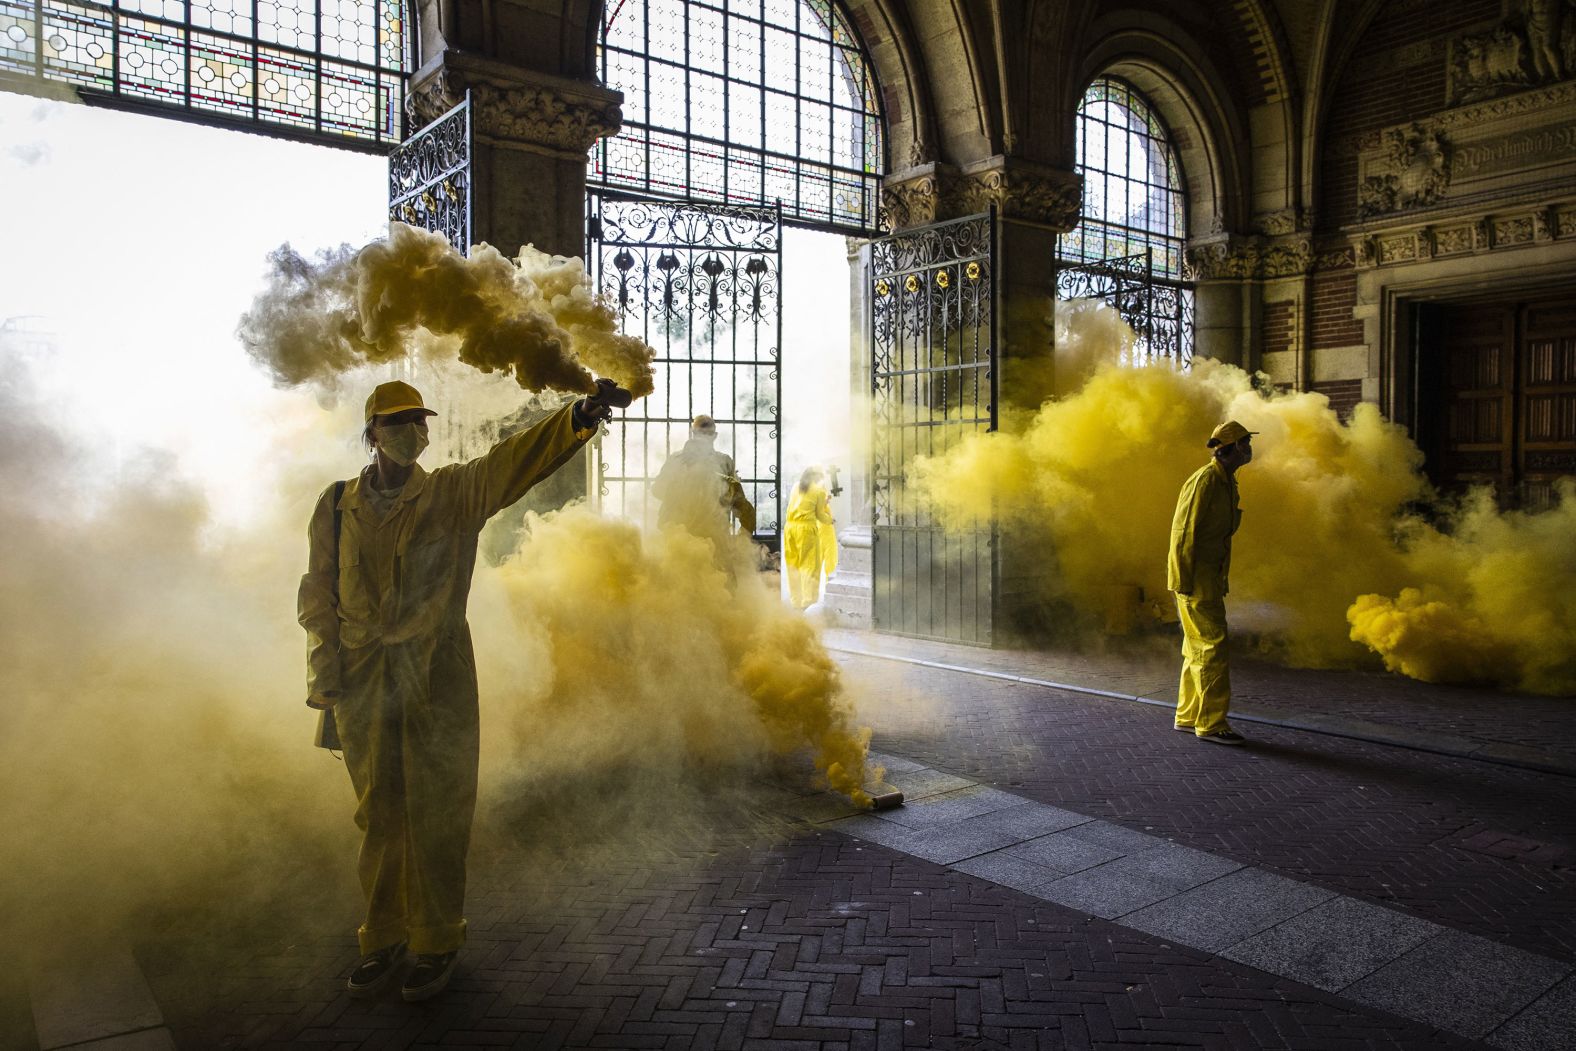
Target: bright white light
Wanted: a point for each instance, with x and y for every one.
(142, 240)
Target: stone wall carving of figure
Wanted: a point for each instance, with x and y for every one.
(1544, 20)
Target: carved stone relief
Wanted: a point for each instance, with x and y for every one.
(937, 192)
(554, 115)
(1531, 225)
(1246, 258)
(1534, 43)
(1412, 170)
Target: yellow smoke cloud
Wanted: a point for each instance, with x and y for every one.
(534, 318)
(648, 648)
(1092, 476)
(155, 758)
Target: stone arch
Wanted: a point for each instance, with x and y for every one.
(1193, 100)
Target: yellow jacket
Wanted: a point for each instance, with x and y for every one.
(811, 542)
(1206, 517)
(406, 577)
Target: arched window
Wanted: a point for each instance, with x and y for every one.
(1128, 245)
(743, 102)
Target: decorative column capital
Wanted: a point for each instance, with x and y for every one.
(517, 106)
(1249, 258)
(1032, 193)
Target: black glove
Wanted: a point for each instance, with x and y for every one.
(591, 411)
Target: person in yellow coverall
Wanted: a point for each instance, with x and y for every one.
(699, 487)
(810, 540)
(1207, 515)
(389, 650)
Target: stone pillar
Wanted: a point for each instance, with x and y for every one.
(849, 591)
(532, 134)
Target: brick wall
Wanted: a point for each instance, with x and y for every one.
(1343, 394)
(1334, 297)
(1275, 332)
(1395, 74)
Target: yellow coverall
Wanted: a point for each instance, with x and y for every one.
(1199, 562)
(809, 544)
(398, 649)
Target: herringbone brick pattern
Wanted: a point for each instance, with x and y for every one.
(816, 942)
(1386, 824)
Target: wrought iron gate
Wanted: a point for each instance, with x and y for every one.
(933, 310)
(700, 284)
(1159, 309)
(430, 177)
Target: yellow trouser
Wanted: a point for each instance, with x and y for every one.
(1205, 691)
(410, 729)
(802, 553)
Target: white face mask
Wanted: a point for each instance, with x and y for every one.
(402, 443)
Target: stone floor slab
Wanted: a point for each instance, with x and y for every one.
(894, 764)
(1001, 867)
(917, 784)
(1104, 893)
(100, 993)
(1223, 912)
(1334, 943)
(1031, 820)
(952, 807)
(1547, 1024)
(1172, 865)
(1465, 983)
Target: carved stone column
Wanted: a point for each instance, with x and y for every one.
(532, 132)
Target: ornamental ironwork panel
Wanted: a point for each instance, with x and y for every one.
(1159, 310)
(701, 285)
(933, 384)
(430, 178)
(294, 68)
(736, 102)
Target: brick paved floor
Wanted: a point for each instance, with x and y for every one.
(635, 913)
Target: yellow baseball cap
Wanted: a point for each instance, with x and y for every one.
(394, 396)
(1228, 432)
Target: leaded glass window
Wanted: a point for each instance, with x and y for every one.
(1133, 197)
(1128, 245)
(307, 68)
(748, 102)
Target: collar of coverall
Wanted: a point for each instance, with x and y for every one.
(412, 489)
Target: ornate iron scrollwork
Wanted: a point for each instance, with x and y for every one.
(1159, 310)
(430, 178)
(933, 377)
(700, 283)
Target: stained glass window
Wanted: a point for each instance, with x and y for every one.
(1133, 197)
(311, 68)
(1127, 248)
(743, 102)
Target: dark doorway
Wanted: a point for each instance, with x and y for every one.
(1497, 397)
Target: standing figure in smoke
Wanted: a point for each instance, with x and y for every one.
(1207, 515)
(389, 651)
(699, 487)
(810, 542)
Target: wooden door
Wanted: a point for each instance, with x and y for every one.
(1547, 396)
(1476, 442)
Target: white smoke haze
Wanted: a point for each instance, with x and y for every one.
(534, 318)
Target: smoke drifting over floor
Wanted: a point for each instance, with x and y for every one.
(535, 318)
(154, 745)
(1330, 561)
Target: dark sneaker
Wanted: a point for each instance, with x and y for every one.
(375, 971)
(1223, 737)
(430, 975)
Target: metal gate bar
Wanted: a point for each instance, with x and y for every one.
(933, 382)
(700, 284)
(1158, 309)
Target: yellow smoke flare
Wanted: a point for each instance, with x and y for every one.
(1092, 477)
(535, 318)
(651, 649)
